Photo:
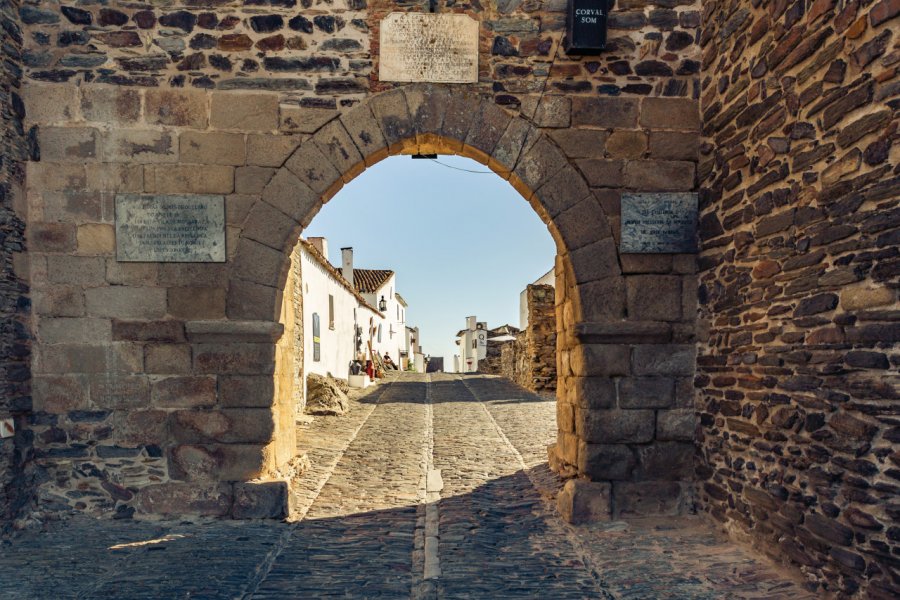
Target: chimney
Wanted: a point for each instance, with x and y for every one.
(320, 244)
(470, 323)
(347, 265)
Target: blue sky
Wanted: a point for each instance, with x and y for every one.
(461, 243)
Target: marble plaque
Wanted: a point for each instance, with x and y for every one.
(438, 48)
(659, 223)
(170, 228)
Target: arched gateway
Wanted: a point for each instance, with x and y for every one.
(156, 387)
(182, 405)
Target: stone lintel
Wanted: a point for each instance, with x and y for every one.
(233, 331)
(624, 332)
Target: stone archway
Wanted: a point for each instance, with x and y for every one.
(613, 426)
(166, 370)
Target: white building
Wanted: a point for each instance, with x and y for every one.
(416, 356)
(332, 313)
(341, 315)
(377, 287)
(472, 342)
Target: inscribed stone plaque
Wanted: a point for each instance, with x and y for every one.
(429, 47)
(659, 223)
(170, 228)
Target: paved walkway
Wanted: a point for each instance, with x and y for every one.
(431, 487)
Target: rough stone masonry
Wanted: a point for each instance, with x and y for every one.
(798, 374)
(154, 387)
(530, 359)
(15, 486)
(156, 379)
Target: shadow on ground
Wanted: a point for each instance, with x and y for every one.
(499, 541)
(489, 547)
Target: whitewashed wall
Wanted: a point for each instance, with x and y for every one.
(391, 344)
(337, 345)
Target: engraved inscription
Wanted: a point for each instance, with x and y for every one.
(659, 223)
(429, 47)
(170, 228)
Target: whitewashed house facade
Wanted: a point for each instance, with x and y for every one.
(472, 342)
(340, 308)
(378, 288)
(332, 311)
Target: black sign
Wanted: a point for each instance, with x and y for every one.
(586, 26)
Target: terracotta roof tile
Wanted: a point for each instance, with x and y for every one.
(368, 281)
(336, 273)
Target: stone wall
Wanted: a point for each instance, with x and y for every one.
(162, 374)
(15, 401)
(530, 361)
(278, 104)
(293, 311)
(491, 364)
(513, 361)
(289, 385)
(322, 54)
(800, 227)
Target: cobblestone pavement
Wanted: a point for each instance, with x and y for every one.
(430, 487)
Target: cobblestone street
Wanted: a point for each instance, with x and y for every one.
(430, 487)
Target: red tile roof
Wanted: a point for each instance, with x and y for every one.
(336, 273)
(368, 281)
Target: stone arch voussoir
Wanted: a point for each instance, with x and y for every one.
(596, 341)
(426, 118)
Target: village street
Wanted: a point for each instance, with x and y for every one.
(432, 486)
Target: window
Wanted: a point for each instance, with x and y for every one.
(379, 333)
(330, 311)
(398, 312)
(317, 349)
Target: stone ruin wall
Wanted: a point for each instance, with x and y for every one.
(15, 348)
(800, 262)
(133, 97)
(530, 360)
(491, 363)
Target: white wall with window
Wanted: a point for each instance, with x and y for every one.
(392, 338)
(331, 313)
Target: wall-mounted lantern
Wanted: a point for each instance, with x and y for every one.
(382, 304)
(586, 26)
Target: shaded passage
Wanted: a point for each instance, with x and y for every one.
(357, 538)
(497, 539)
(472, 446)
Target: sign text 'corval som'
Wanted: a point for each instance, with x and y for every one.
(586, 26)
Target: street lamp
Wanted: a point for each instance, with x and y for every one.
(382, 304)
